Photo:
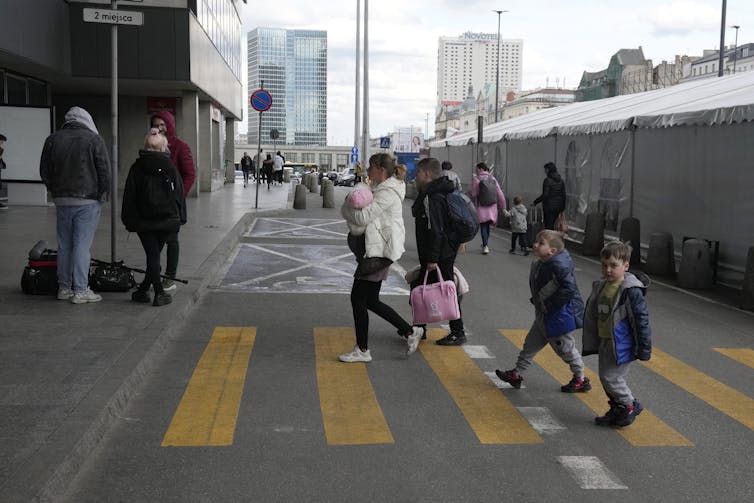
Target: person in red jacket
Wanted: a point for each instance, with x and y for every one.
(180, 154)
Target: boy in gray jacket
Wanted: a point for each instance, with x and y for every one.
(519, 226)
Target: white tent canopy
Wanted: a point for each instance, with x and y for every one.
(703, 102)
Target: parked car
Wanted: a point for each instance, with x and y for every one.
(347, 177)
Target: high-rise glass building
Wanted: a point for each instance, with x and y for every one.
(292, 67)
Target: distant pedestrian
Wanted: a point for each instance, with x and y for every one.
(558, 312)
(180, 154)
(553, 197)
(436, 248)
(246, 167)
(267, 169)
(3, 139)
(519, 226)
(153, 207)
(488, 197)
(378, 228)
(447, 171)
(277, 167)
(75, 167)
(616, 325)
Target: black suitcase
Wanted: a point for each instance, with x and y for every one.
(40, 277)
(536, 224)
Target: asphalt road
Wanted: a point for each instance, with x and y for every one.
(280, 420)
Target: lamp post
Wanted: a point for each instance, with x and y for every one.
(497, 73)
(735, 47)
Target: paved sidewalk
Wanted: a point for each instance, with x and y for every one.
(67, 371)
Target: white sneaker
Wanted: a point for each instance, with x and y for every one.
(357, 355)
(65, 294)
(413, 340)
(485, 250)
(86, 296)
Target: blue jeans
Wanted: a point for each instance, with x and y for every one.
(76, 227)
(484, 230)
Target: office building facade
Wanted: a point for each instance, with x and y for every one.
(292, 67)
(185, 58)
(471, 61)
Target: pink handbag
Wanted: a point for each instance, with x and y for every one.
(435, 302)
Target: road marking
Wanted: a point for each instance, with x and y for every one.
(741, 355)
(722, 397)
(590, 473)
(208, 411)
(542, 420)
(298, 228)
(490, 415)
(477, 352)
(350, 412)
(647, 430)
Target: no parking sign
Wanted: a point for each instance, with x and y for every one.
(260, 100)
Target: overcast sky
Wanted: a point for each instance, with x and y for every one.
(562, 39)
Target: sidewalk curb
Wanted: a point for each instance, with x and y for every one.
(141, 357)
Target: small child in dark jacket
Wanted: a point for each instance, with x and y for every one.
(558, 312)
(616, 325)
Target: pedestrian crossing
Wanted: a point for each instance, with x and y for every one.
(352, 415)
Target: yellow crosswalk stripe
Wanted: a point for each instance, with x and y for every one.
(207, 413)
(741, 355)
(350, 411)
(722, 397)
(489, 413)
(647, 430)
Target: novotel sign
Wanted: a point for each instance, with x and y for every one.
(479, 36)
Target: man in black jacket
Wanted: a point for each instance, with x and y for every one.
(436, 249)
(75, 167)
(553, 196)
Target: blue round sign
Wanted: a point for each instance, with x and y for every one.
(260, 100)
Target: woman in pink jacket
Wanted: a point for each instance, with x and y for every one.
(488, 197)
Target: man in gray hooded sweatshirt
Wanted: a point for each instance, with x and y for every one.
(75, 167)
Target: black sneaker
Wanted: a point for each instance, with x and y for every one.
(626, 414)
(511, 377)
(452, 339)
(609, 416)
(141, 296)
(577, 385)
(162, 298)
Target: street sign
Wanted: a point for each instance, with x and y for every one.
(355, 157)
(260, 100)
(355, 150)
(109, 16)
(385, 142)
(274, 134)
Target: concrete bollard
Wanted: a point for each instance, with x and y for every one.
(299, 197)
(328, 194)
(661, 255)
(695, 270)
(322, 186)
(594, 235)
(747, 292)
(630, 232)
(286, 176)
(314, 188)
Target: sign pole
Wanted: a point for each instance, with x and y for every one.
(114, 160)
(261, 101)
(259, 158)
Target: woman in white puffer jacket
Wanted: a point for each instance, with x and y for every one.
(384, 235)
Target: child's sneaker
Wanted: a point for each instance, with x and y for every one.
(511, 377)
(608, 417)
(357, 355)
(577, 385)
(626, 414)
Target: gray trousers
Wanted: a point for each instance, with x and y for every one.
(613, 376)
(564, 346)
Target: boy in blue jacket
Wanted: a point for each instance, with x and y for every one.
(616, 325)
(558, 312)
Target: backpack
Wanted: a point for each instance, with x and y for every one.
(463, 218)
(487, 191)
(156, 197)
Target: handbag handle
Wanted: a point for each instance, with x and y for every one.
(439, 275)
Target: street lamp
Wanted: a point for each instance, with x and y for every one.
(735, 47)
(497, 73)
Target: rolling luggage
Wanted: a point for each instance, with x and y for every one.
(40, 276)
(536, 224)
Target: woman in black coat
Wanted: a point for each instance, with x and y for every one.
(553, 196)
(154, 207)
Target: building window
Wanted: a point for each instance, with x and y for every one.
(16, 89)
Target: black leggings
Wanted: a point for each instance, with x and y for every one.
(152, 242)
(365, 296)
